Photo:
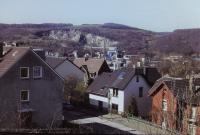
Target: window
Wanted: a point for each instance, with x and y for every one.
(115, 92)
(192, 129)
(137, 78)
(24, 96)
(37, 72)
(24, 72)
(140, 91)
(193, 115)
(164, 105)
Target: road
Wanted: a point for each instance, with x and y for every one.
(98, 123)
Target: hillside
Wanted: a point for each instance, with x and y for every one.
(185, 41)
(57, 36)
(67, 37)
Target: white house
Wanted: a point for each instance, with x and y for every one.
(115, 91)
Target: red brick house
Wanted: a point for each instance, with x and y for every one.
(175, 105)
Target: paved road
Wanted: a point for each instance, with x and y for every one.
(98, 123)
(108, 123)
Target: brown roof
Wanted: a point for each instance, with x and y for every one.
(11, 56)
(176, 85)
(93, 64)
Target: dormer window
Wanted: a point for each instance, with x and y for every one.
(24, 72)
(37, 72)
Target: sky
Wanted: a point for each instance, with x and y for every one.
(155, 15)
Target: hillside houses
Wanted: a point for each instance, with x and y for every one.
(31, 92)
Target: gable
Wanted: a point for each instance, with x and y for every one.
(68, 69)
(141, 83)
(31, 59)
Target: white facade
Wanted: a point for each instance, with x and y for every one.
(124, 98)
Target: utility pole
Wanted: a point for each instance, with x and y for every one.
(109, 102)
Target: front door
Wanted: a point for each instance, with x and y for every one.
(114, 108)
(100, 105)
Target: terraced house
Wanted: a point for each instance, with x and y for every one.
(31, 93)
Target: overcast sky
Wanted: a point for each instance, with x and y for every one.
(156, 15)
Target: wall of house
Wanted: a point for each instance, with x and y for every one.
(187, 120)
(46, 94)
(157, 113)
(132, 91)
(68, 69)
(119, 100)
(94, 100)
(124, 98)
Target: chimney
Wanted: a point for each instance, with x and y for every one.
(1, 49)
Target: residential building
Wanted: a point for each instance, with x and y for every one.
(31, 92)
(116, 90)
(117, 59)
(93, 66)
(65, 68)
(175, 104)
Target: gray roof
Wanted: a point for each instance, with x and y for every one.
(54, 61)
(117, 79)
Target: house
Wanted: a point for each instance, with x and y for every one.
(175, 104)
(93, 66)
(117, 59)
(31, 92)
(115, 91)
(65, 68)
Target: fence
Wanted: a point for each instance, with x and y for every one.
(147, 126)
